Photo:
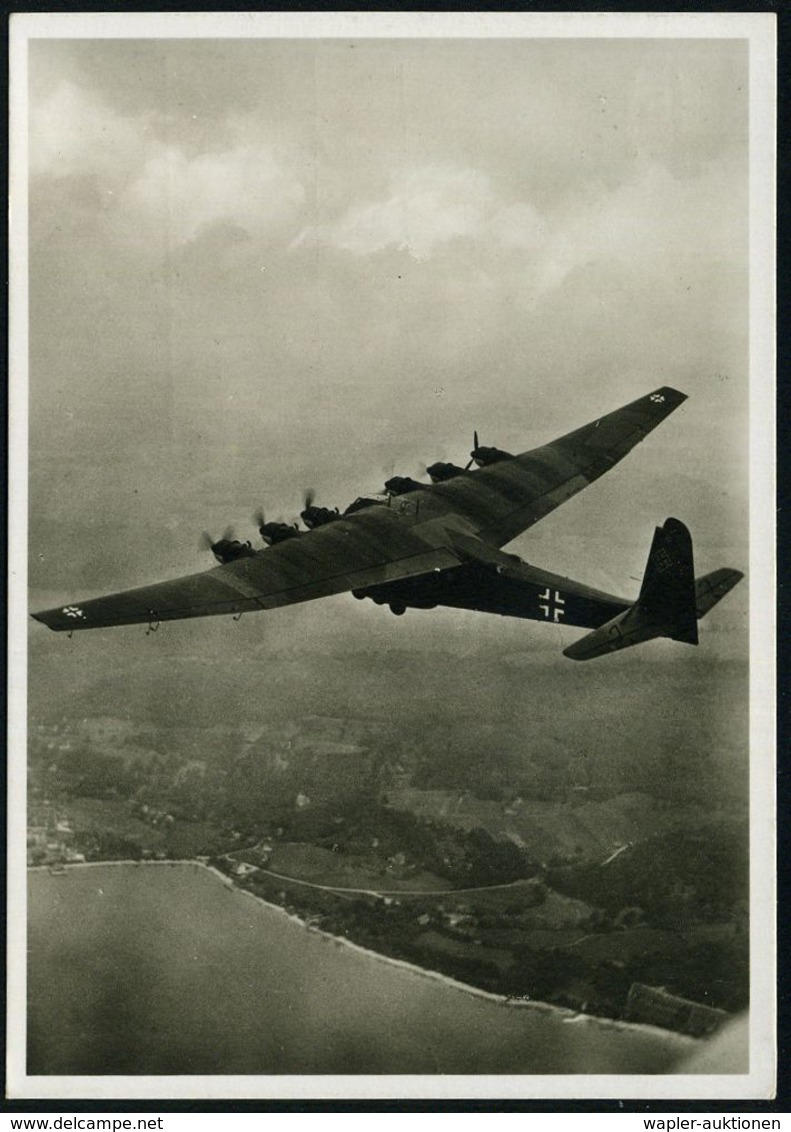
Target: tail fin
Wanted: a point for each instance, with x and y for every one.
(667, 595)
(670, 601)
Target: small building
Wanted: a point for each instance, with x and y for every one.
(242, 869)
(656, 1007)
(455, 919)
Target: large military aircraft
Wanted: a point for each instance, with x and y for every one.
(421, 545)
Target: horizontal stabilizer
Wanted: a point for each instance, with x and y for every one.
(713, 587)
(622, 632)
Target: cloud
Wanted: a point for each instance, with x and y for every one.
(243, 185)
(651, 220)
(429, 207)
(144, 180)
(72, 133)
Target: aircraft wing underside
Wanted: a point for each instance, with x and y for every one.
(370, 548)
(418, 535)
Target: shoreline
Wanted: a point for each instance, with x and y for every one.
(560, 1013)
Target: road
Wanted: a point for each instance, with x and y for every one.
(381, 892)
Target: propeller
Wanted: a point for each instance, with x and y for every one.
(310, 498)
(259, 518)
(207, 542)
(422, 466)
(471, 460)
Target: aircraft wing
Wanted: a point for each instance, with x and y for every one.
(506, 498)
(433, 529)
(371, 547)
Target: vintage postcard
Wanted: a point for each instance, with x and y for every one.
(392, 560)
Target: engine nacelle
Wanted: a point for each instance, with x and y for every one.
(314, 517)
(272, 533)
(483, 456)
(364, 501)
(228, 550)
(440, 471)
(400, 485)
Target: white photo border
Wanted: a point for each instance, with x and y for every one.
(759, 30)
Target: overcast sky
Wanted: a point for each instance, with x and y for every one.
(261, 265)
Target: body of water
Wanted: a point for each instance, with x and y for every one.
(167, 970)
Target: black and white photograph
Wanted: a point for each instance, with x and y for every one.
(391, 592)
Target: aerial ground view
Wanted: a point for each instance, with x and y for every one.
(523, 862)
(276, 308)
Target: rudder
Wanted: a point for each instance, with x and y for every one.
(666, 606)
(667, 595)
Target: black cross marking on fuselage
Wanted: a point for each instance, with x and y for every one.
(550, 602)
